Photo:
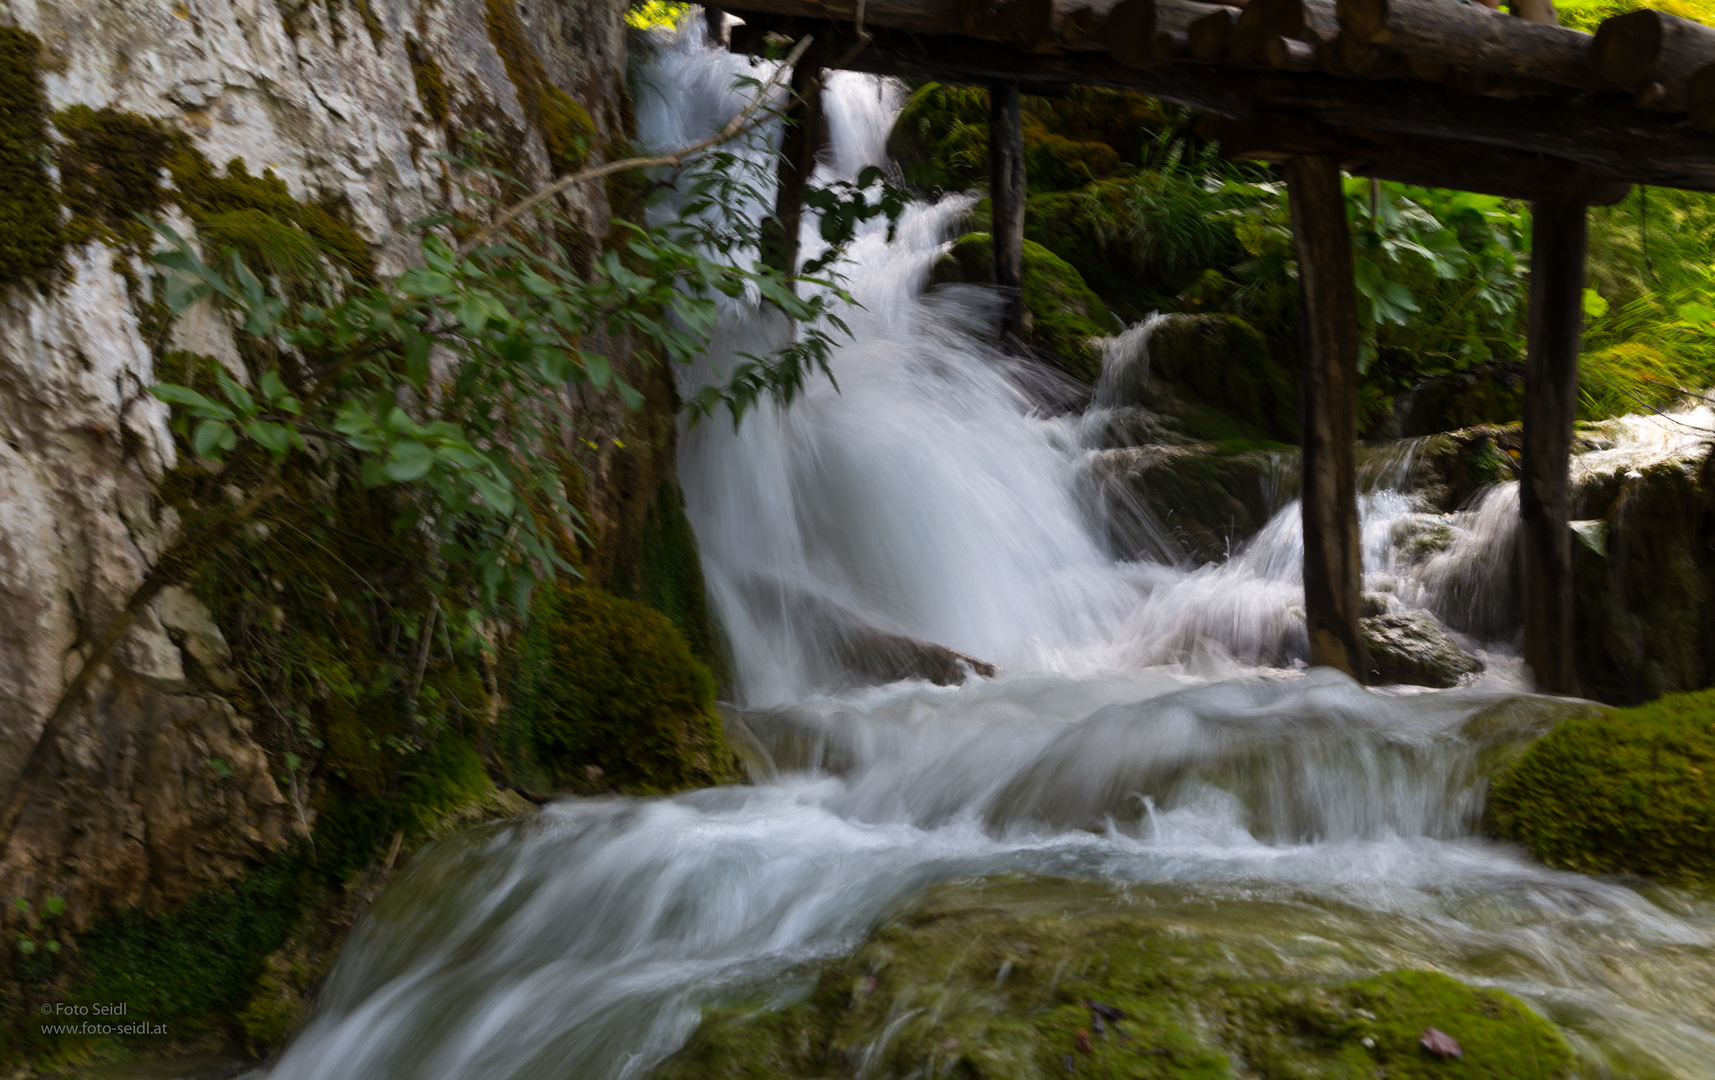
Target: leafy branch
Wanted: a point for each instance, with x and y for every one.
(436, 384)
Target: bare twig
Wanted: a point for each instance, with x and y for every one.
(745, 121)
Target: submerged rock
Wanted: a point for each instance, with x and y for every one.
(1413, 648)
(1014, 979)
(1198, 501)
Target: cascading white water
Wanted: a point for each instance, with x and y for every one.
(926, 497)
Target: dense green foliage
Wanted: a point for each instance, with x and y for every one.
(1153, 218)
(1628, 792)
(981, 982)
(183, 966)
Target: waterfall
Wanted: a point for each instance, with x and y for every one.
(1146, 728)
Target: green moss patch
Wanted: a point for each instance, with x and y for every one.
(258, 217)
(565, 126)
(1631, 791)
(110, 171)
(974, 983)
(431, 82)
(1226, 365)
(30, 237)
(607, 695)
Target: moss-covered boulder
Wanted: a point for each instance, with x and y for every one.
(941, 140)
(1414, 649)
(962, 986)
(1224, 363)
(606, 695)
(1064, 317)
(1631, 791)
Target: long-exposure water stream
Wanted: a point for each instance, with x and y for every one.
(1148, 729)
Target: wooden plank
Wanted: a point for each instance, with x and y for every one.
(796, 163)
(1558, 239)
(1006, 198)
(1210, 33)
(1328, 333)
(1472, 36)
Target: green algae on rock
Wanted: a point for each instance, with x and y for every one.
(1003, 986)
(1629, 791)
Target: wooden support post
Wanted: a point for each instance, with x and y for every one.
(1006, 199)
(1328, 333)
(797, 162)
(1558, 234)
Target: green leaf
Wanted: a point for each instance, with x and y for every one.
(1596, 306)
(174, 394)
(53, 905)
(270, 387)
(408, 461)
(212, 439)
(1697, 313)
(275, 438)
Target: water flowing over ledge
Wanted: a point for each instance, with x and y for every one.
(930, 497)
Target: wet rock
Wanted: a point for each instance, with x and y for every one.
(921, 996)
(1199, 501)
(883, 657)
(1440, 1044)
(1413, 648)
(1064, 319)
(1222, 362)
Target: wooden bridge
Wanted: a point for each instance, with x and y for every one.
(1438, 93)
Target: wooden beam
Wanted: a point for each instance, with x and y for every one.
(1647, 47)
(1426, 162)
(1132, 25)
(1558, 235)
(1472, 36)
(1609, 138)
(1328, 333)
(1006, 199)
(793, 169)
(1309, 21)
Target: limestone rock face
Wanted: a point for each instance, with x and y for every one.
(348, 104)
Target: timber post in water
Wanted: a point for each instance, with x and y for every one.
(1558, 234)
(1006, 199)
(797, 161)
(1328, 332)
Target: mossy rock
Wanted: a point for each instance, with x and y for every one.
(940, 140)
(986, 981)
(1631, 791)
(1209, 497)
(1065, 318)
(606, 695)
(1222, 362)
(1120, 119)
